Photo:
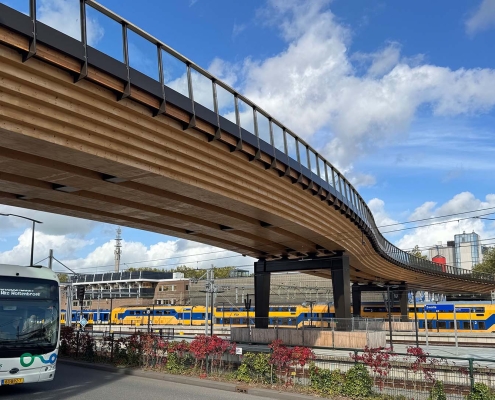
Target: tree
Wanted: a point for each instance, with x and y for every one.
(191, 273)
(417, 253)
(488, 264)
(147, 269)
(223, 272)
(63, 278)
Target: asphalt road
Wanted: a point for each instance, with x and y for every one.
(84, 383)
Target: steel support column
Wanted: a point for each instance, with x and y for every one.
(261, 295)
(341, 284)
(404, 302)
(356, 300)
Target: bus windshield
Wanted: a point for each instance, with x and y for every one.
(29, 316)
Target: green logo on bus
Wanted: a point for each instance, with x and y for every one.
(27, 359)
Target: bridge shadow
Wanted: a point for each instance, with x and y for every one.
(69, 382)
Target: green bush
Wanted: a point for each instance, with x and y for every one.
(437, 392)
(255, 368)
(326, 382)
(177, 364)
(358, 382)
(481, 392)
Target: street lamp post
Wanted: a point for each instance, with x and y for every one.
(32, 234)
(390, 303)
(305, 304)
(148, 312)
(390, 318)
(416, 318)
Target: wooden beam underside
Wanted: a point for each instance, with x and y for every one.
(54, 133)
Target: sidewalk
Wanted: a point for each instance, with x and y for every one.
(188, 380)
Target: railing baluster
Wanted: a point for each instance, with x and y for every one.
(162, 108)
(325, 171)
(125, 45)
(216, 109)
(32, 41)
(190, 88)
(84, 39)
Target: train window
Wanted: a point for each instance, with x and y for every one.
(467, 325)
(429, 324)
(138, 312)
(479, 310)
(132, 312)
(481, 325)
(442, 325)
(158, 312)
(292, 309)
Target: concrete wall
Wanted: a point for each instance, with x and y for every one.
(310, 337)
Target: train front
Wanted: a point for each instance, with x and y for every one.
(29, 324)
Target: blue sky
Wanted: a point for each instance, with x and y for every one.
(398, 95)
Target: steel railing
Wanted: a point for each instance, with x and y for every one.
(271, 135)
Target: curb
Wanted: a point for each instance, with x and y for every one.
(186, 380)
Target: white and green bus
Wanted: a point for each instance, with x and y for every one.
(29, 324)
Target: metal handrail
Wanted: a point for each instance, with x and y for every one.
(330, 175)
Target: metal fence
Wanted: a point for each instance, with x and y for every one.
(410, 375)
(174, 78)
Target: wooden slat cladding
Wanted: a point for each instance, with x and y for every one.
(175, 181)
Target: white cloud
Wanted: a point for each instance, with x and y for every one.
(460, 203)
(423, 211)
(377, 207)
(64, 15)
(52, 224)
(361, 180)
(165, 255)
(237, 29)
(314, 75)
(62, 245)
(483, 18)
(382, 61)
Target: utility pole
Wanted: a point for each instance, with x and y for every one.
(211, 290)
(207, 290)
(118, 249)
(68, 310)
(34, 222)
(50, 259)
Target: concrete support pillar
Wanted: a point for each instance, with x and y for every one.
(341, 284)
(403, 302)
(261, 296)
(356, 300)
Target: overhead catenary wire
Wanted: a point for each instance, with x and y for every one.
(281, 226)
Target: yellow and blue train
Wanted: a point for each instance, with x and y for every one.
(479, 317)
